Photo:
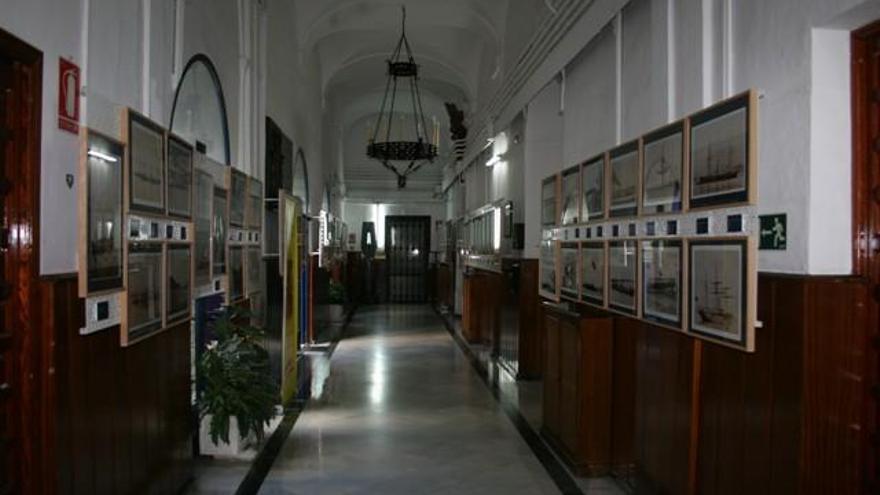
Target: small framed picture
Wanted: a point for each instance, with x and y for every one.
(663, 154)
(624, 181)
(593, 189)
(146, 161)
(722, 153)
(570, 196)
(623, 276)
(593, 268)
(662, 265)
(549, 201)
(722, 291)
(569, 270)
(549, 270)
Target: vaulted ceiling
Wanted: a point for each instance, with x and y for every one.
(457, 43)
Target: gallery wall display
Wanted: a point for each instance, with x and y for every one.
(570, 196)
(219, 231)
(180, 177)
(146, 164)
(623, 275)
(593, 273)
(202, 221)
(144, 310)
(663, 153)
(236, 273)
(723, 153)
(255, 204)
(179, 287)
(623, 183)
(662, 280)
(569, 272)
(593, 189)
(101, 205)
(550, 201)
(237, 198)
(549, 269)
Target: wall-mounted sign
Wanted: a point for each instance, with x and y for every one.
(68, 96)
(774, 232)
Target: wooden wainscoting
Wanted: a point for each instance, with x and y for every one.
(123, 417)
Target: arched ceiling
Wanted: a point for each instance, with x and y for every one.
(453, 41)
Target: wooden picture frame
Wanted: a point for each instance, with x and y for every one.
(179, 192)
(237, 198)
(145, 163)
(255, 204)
(570, 196)
(662, 288)
(550, 201)
(569, 271)
(664, 167)
(144, 308)
(101, 204)
(179, 283)
(722, 153)
(594, 193)
(722, 291)
(624, 177)
(548, 276)
(203, 214)
(594, 273)
(623, 277)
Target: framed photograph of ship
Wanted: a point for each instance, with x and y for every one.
(623, 274)
(593, 266)
(624, 180)
(144, 305)
(721, 288)
(146, 157)
(548, 276)
(179, 283)
(568, 283)
(662, 282)
(593, 189)
(722, 153)
(663, 155)
(180, 177)
(549, 201)
(570, 196)
(100, 252)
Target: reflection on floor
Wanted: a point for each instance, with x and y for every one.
(402, 410)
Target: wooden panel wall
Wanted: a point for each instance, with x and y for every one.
(531, 338)
(123, 416)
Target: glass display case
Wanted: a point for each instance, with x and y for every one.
(236, 273)
(202, 216)
(178, 289)
(146, 158)
(218, 232)
(144, 289)
(103, 201)
(180, 177)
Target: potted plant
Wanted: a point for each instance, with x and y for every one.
(237, 399)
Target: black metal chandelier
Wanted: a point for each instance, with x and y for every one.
(411, 154)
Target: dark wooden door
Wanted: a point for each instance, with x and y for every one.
(407, 246)
(866, 223)
(23, 344)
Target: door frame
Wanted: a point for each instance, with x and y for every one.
(32, 344)
(866, 225)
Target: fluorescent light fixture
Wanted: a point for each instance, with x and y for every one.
(496, 231)
(494, 160)
(103, 156)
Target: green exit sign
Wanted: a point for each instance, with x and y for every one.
(774, 232)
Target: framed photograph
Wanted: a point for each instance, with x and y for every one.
(179, 283)
(624, 181)
(593, 272)
(101, 203)
(663, 153)
(202, 220)
(237, 198)
(721, 288)
(549, 201)
(255, 205)
(236, 273)
(180, 177)
(144, 307)
(662, 265)
(571, 179)
(219, 228)
(569, 271)
(593, 189)
(146, 159)
(623, 276)
(549, 270)
(722, 153)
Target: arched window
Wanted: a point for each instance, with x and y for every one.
(199, 111)
(301, 179)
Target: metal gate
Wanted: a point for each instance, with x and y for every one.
(407, 247)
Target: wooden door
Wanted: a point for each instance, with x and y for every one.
(25, 360)
(866, 223)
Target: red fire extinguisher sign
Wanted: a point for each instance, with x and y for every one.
(68, 96)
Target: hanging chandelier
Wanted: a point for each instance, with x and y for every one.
(402, 156)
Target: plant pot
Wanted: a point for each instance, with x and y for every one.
(237, 448)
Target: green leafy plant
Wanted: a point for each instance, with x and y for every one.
(234, 371)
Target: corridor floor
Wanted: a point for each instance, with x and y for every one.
(403, 411)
